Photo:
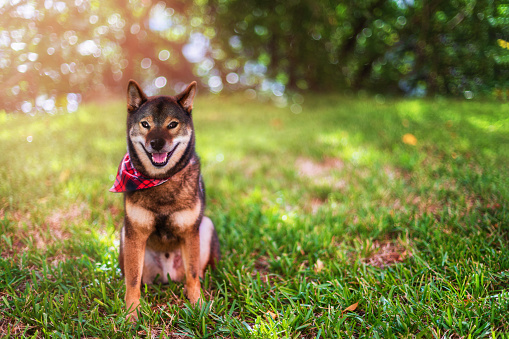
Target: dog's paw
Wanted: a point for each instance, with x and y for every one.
(132, 317)
(196, 301)
(194, 296)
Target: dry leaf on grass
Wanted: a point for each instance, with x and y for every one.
(409, 139)
(318, 266)
(350, 308)
(271, 315)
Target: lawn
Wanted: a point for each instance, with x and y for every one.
(354, 218)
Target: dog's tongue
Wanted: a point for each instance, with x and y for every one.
(159, 157)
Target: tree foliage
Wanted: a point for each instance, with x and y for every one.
(415, 47)
(51, 51)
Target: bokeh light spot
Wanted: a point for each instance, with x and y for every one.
(32, 56)
(135, 29)
(18, 46)
(232, 78)
(87, 47)
(296, 108)
(146, 63)
(22, 68)
(215, 81)
(26, 107)
(160, 82)
(197, 47)
(164, 55)
(48, 105)
(60, 6)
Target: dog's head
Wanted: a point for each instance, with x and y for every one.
(160, 134)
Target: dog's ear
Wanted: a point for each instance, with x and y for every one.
(185, 99)
(135, 96)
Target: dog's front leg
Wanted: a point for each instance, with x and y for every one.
(191, 256)
(134, 241)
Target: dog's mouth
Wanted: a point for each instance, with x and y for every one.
(160, 159)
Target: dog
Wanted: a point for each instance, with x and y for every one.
(165, 235)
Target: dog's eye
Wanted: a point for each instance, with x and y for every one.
(172, 124)
(145, 124)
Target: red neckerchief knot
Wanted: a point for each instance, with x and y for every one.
(129, 179)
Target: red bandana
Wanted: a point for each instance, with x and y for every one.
(129, 179)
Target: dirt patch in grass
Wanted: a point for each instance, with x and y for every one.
(155, 332)
(14, 328)
(310, 168)
(315, 204)
(114, 211)
(261, 266)
(432, 205)
(320, 174)
(59, 218)
(30, 233)
(423, 205)
(386, 253)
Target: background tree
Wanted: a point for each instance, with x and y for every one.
(53, 48)
(415, 47)
(499, 20)
(53, 52)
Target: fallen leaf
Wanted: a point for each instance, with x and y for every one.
(318, 266)
(350, 308)
(272, 315)
(403, 255)
(409, 139)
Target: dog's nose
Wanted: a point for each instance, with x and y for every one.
(157, 144)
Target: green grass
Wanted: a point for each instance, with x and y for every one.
(315, 212)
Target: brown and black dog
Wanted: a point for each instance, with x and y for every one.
(165, 234)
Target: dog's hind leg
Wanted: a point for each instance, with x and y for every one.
(209, 245)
